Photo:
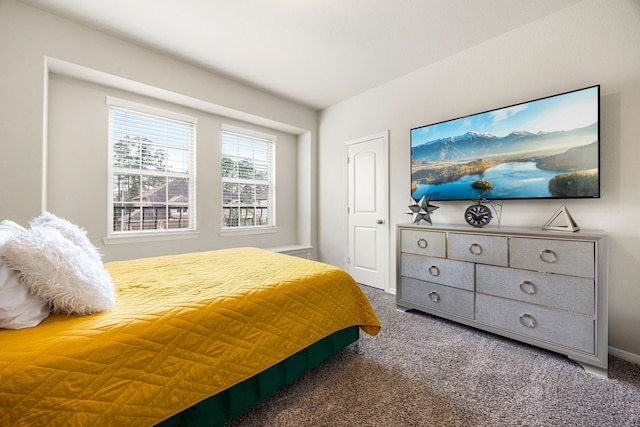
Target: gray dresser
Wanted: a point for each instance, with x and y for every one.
(545, 288)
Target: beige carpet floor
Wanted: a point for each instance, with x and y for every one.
(425, 371)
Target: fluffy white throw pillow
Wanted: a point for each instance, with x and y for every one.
(60, 271)
(19, 308)
(70, 231)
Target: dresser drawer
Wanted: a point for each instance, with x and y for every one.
(554, 290)
(553, 256)
(432, 296)
(458, 274)
(432, 243)
(479, 248)
(558, 327)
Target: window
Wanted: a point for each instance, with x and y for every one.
(152, 169)
(248, 179)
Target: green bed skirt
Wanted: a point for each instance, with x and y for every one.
(228, 404)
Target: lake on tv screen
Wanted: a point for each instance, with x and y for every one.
(510, 180)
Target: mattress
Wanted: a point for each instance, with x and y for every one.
(185, 327)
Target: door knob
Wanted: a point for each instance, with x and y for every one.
(380, 221)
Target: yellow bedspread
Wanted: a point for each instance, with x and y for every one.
(185, 327)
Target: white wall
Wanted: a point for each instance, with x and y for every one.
(54, 77)
(593, 42)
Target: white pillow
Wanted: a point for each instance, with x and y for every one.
(19, 308)
(69, 230)
(8, 229)
(56, 269)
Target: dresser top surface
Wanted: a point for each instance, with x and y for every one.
(510, 230)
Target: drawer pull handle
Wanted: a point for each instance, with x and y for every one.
(422, 243)
(528, 287)
(548, 256)
(475, 249)
(434, 271)
(528, 321)
(434, 297)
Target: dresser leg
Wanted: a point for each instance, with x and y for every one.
(594, 370)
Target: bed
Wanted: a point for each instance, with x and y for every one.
(193, 339)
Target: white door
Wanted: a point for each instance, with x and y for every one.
(367, 210)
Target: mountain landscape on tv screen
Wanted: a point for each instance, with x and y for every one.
(567, 161)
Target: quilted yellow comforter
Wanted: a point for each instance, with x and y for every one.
(185, 327)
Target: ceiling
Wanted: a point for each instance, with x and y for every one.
(314, 52)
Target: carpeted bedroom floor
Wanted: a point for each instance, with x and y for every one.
(425, 371)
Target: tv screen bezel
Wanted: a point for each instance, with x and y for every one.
(599, 163)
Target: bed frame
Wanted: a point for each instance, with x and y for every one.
(227, 405)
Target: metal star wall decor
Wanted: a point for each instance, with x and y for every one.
(421, 210)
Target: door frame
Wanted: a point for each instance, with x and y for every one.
(386, 233)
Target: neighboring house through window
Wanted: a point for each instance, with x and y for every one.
(152, 169)
(248, 179)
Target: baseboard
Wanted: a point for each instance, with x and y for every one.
(625, 355)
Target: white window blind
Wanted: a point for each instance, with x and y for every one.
(152, 168)
(248, 179)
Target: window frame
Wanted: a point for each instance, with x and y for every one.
(271, 140)
(141, 235)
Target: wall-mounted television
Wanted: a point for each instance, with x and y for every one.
(546, 148)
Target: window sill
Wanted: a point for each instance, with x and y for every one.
(124, 238)
(302, 251)
(246, 231)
